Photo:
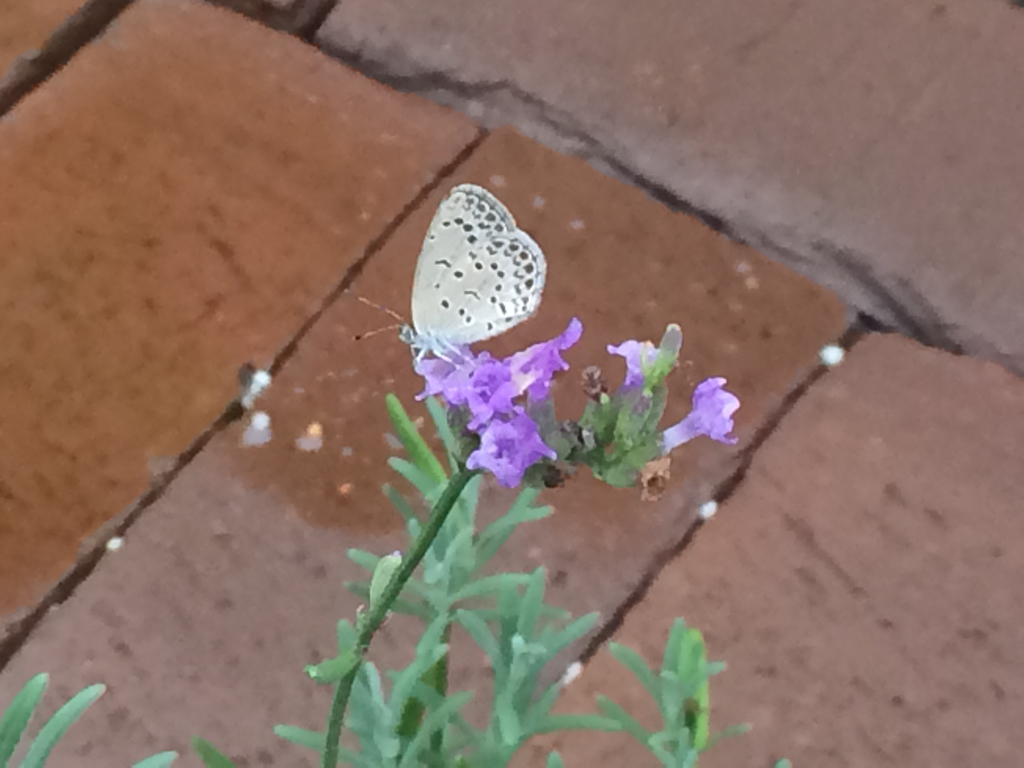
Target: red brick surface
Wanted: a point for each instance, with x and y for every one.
(25, 25)
(175, 202)
(875, 144)
(863, 581)
(232, 581)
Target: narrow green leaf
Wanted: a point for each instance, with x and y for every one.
(583, 722)
(433, 722)
(302, 737)
(532, 600)
(420, 480)
(414, 444)
(698, 708)
(160, 760)
(18, 714)
(400, 503)
(407, 607)
(632, 661)
(481, 634)
(726, 733)
(629, 723)
(210, 755)
(331, 671)
(555, 760)
(677, 638)
(489, 584)
(498, 532)
(439, 414)
(57, 725)
(570, 634)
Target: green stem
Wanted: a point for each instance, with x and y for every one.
(379, 612)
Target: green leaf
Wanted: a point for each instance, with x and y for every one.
(362, 589)
(489, 584)
(439, 414)
(18, 714)
(383, 573)
(160, 760)
(532, 600)
(783, 763)
(698, 708)
(629, 724)
(210, 755)
(331, 671)
(420, 480)
(433, 722)
(481, 634)
(302, 737)
(570, 634)
(399, 502)
(57, 725)
(584, 722)
(497, 533)
(414, 444)
(632, 661)
(677, 638)
(555, 761)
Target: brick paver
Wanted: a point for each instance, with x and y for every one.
(232, 581)
(874, 144)
(862, 583)
(25, 25)
(175, 202)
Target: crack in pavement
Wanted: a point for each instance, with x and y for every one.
(883, 302)
(94, 547)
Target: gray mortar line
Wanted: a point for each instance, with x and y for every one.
(894, 304)
(724, 491)
(76, 31)
(94, 547)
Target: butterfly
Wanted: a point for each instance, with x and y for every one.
(478, 275)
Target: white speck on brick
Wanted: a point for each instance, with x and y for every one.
(832, 355)
(752, 283)
(572, 672)
(498, 180)
(346, 451)
(258, 432)
(708, 509)
(577, 224)
(538, 202)
(257, 386)
(743, 267)
(114, 543)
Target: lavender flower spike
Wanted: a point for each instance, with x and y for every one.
(638, 355)
(508, 448)
(711, 416)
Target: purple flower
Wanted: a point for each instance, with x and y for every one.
(508, 447)
(534, 367)
(488, 388)
(638, 355)
(712, 412)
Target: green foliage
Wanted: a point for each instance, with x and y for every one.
(20, 711)
(408, 717)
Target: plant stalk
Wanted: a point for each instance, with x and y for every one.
(371, 622)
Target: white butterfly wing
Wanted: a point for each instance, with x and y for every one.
(477, 274)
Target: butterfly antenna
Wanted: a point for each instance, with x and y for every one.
(395, 315)
(368, 334)
(391, 312)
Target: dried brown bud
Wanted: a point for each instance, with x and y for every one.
(594, 383)
(654, 478)
(553, 476)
